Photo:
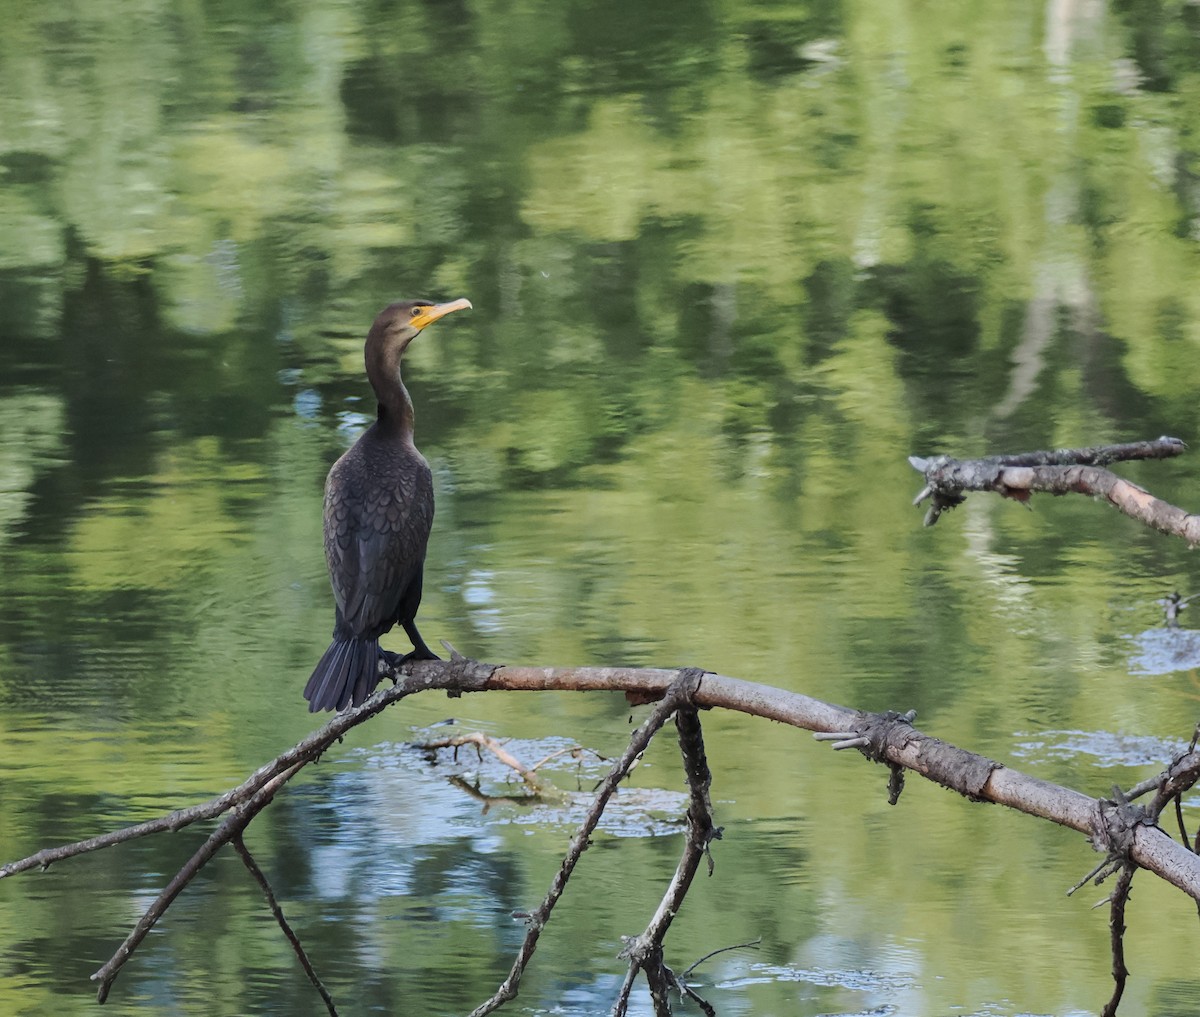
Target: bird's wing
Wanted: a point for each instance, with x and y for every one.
(375, 539)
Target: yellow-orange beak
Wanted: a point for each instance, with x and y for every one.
(431, 313)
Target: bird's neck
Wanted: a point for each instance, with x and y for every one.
(395, 410)
(396, 415)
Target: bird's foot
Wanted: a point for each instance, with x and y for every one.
(391, 664)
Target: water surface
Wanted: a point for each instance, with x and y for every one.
(731, 265)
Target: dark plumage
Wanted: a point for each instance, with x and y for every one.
(378, 512)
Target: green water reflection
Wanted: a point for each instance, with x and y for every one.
(731, 264)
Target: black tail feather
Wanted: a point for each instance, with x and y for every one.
(346, 674)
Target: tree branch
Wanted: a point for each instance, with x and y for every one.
(1128, 834)
(1116, 922)
(232, 827)
(1060, 472)
(239, 845)
(645, 952)
(970, 774)
(899, 744)
(537, 920)
(451, 676)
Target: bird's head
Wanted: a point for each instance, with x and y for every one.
(395, 327)
(398, 324)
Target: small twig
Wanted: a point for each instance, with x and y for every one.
(842, 739)
(1181, 773)
(1169, 787)
(724, 949)
(576, 751)
(260, 877)
(1116, 923)
(872, 735)
(1096, 873)
(1095, 455)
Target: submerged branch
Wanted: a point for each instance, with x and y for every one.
(970, 774)
(482, 741)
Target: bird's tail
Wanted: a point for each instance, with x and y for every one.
(347, 673)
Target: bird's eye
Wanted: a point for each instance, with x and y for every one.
(416, 311)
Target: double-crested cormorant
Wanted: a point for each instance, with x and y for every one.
(378, 511)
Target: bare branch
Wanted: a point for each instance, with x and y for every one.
(575, 752)
(954, 768)
(260, 877)
(1099, 873)
(645, 952)
(537, 920)
(1179, 776)
(1128, 834)
(452, 675)
(723, 949)
(973, 775)
(1116, 922)
(1061, 472)
(230, 828)
(1096, 455)
(887, 739)
(621, 1007)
